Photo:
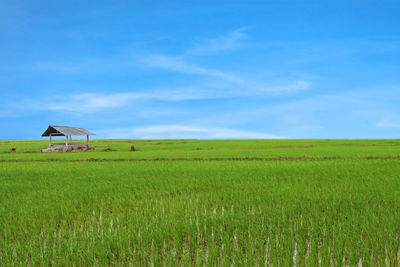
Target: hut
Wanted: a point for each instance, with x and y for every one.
(68, 132)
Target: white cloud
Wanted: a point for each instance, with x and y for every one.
(182, 131)
(222, 43)
(388, 122)
(87, 101)
(94, 102)
(359, 113)
(90, 102)
(178, 65)
(222, 85)
(282, 87)
(227, 84)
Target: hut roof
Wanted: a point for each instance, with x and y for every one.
(66, 131)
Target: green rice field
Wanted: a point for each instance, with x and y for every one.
(201, 203)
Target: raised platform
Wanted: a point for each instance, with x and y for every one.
(69, 148)
(69, 144)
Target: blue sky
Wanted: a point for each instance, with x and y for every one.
(201, 69)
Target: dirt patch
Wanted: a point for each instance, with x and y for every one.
(288, 158)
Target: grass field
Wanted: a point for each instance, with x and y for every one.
(191, 202)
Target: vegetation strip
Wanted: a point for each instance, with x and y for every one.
(202, 203)
(280, 158)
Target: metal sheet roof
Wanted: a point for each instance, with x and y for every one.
(65, 131)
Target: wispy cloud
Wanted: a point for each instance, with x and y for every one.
(388, 122)
(91, 102)
(182, 131)
(281, 87)
(179, 65)
(219, 84)
(222, 43)
(227, 84)
(330, 115)
(228, 81)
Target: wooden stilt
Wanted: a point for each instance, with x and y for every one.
(66, 140)
(87, 140)
(50, 140)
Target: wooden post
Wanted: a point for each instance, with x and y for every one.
(50, 140)
(70, 139)
(66, 140)
(87, 140)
